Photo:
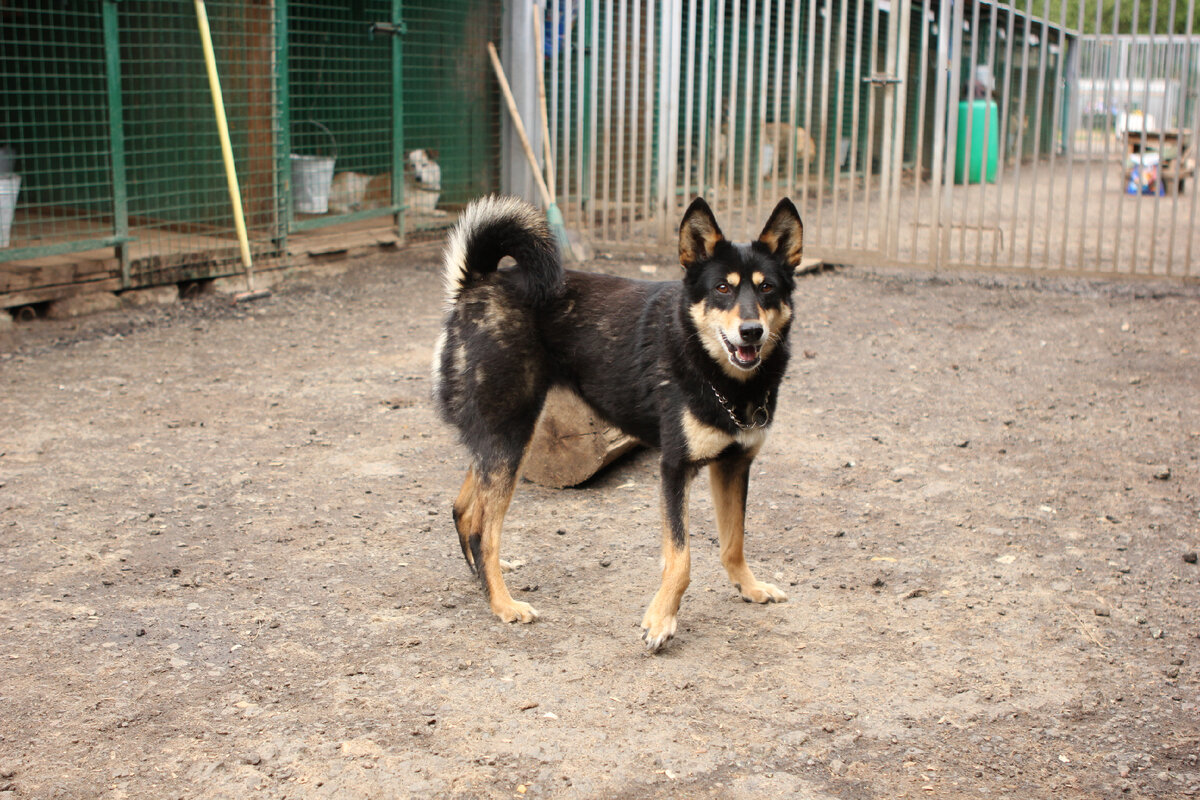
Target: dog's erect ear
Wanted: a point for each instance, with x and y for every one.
(784, 233)
(699, 233)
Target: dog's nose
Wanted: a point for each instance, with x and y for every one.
(751, 332)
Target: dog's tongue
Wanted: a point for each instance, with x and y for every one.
(747, 353)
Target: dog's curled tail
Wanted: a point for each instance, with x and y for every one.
(493, 227)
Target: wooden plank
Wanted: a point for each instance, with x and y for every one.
(339, 242)
(18, 276)
(46, 293)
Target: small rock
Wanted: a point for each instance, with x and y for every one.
(837, 766)
(1190, 556)
(82, 305)
(1157, 633)
(963, 443)
(1162, 473)
(154, 296)
(606, 562)
(448, 603)
(1173, 672)
(1101, 612)
(360, 748)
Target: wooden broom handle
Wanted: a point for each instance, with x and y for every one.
(520, 126)
(539, 36)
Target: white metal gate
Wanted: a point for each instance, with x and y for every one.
(949, 134)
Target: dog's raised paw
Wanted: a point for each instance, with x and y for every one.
(762, 593)
(516, 611)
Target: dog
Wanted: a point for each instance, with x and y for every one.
(692, 367)
(772, 150)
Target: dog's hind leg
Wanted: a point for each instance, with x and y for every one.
(493, 494)
(658, 624)
(730, 479)
(466, 517)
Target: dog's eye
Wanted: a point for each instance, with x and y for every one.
(724, 288)
(766, 288)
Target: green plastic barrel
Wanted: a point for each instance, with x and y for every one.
(985, 130)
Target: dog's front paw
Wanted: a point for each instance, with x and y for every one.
(515, 611)
(657, 630)
(762, 593)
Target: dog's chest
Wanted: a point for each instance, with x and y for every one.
(705, 442)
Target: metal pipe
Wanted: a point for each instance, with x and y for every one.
(731, 132)
(718, 142)
(563, 92)
(939, 135)
(839, 114)
(702, 123)
(793, 105)
(826, 40)
(622, 81)
(970, 99)
(751, 57)
(1044, 44)
(689, 101)
(777, 106)
(594, 123)
(1187, 57)
(886, 135)
(580, 114)
(810, 43)
(869, 155)
(988, 133)
(1128, 72)
(606, 169)
(648, 182)
(552, 171)
(1020, 119)
(855, 98)
(922, 99)
(763, 77)
(954, 91)
(901, 90)
(1194, 52)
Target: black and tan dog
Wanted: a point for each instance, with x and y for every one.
(692, 367)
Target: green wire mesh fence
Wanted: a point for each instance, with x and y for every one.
(341, 115)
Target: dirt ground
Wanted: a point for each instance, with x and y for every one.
(228, 567)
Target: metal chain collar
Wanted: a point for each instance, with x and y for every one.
(760, 418)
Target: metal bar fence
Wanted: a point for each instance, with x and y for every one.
(1012, 156)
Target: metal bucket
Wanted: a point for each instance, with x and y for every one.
(312, 177)
(10, 186)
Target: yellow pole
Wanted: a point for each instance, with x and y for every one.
(235, 195)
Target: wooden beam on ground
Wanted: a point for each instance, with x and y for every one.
(571, 443)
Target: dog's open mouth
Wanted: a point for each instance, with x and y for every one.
(744, 356)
